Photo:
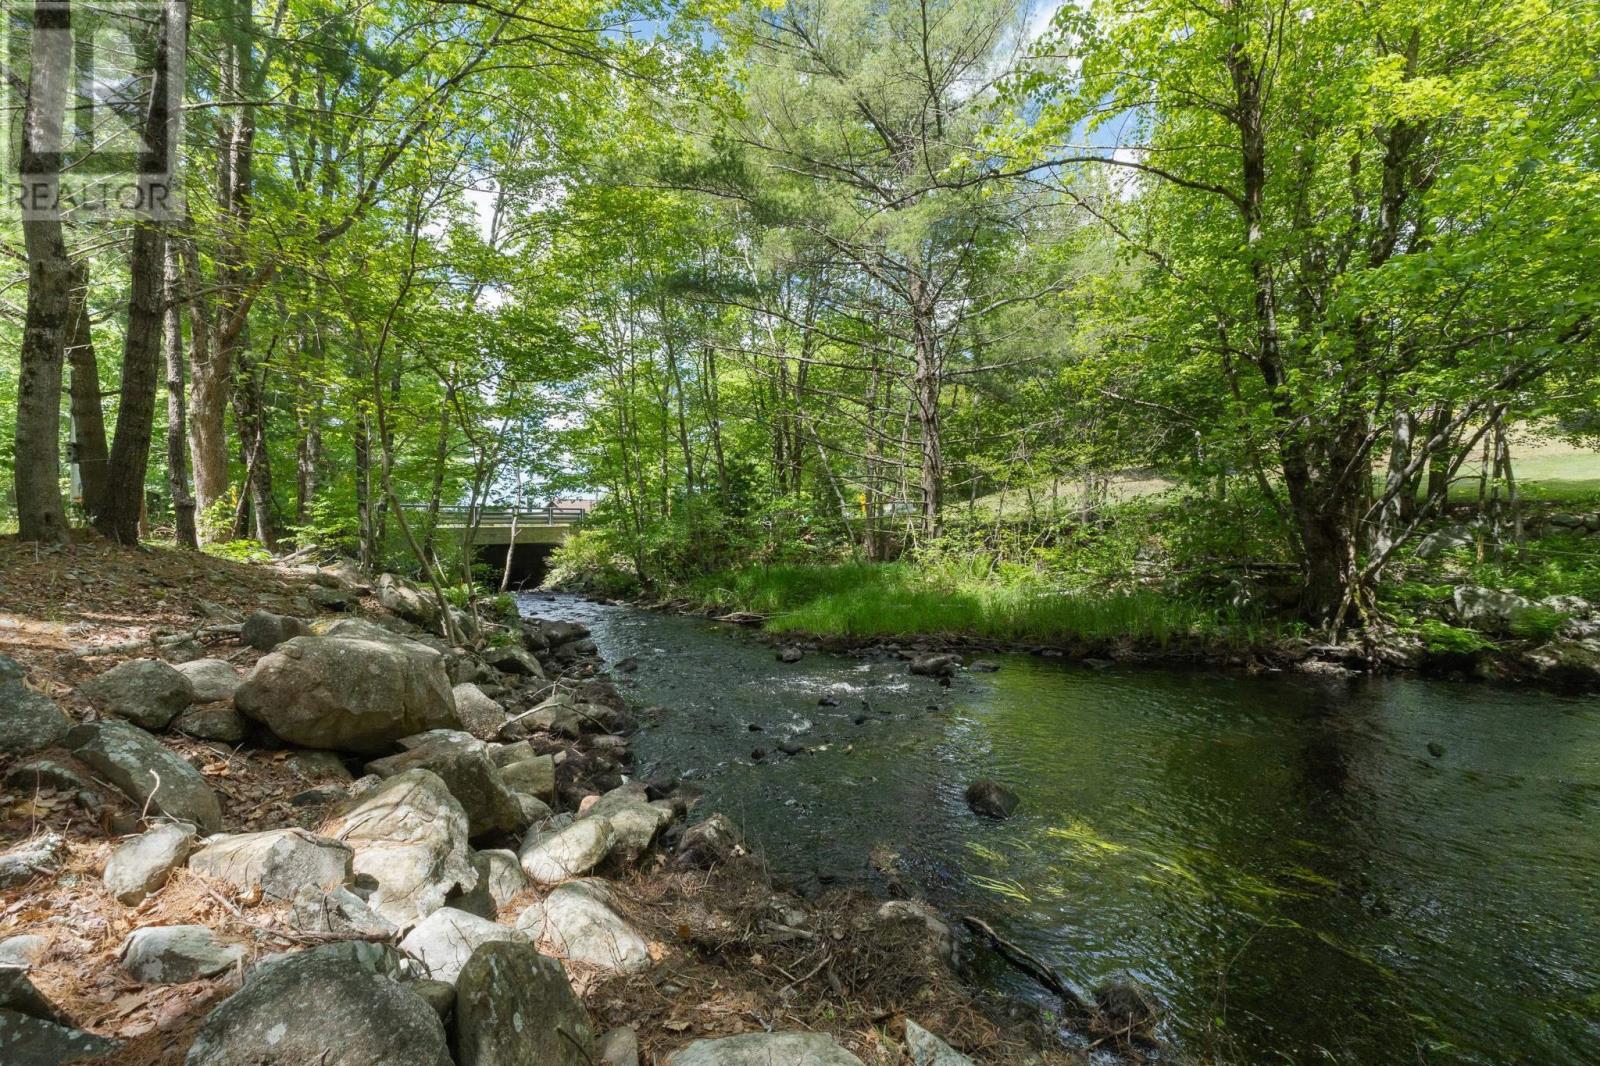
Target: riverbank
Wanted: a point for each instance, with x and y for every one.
(1461, 631)
(177, 848)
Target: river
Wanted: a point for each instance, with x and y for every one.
(1302, 870)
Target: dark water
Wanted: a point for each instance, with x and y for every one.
(1282, 860)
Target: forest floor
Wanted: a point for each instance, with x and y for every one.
(68, 614)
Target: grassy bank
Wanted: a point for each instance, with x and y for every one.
(862, 601)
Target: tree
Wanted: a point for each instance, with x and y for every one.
(1334, 206)
(41, 515)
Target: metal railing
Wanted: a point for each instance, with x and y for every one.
(503, 516)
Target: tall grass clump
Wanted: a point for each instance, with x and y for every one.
(959, 599)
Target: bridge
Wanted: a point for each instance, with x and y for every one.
(506, 525)
(527, 534)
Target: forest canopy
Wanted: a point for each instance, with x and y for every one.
(1077, 289)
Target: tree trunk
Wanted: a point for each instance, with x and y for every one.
(130, 449)
(250, 417)
(210, 376)
(925, 395)
(41, 515)
(141, 348)
(88, 413)
(177, 467)
(367, 550)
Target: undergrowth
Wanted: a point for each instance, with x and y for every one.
(861, 600)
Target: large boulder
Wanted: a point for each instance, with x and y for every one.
(212, 721)
(579, 922)
(510, 659)
(339, 912)
(29, 720)
(470, 775)
(349, 693)
(634, 821)
(212, 679)
(140, 865)
(17, 993)
(276, 863)
(764, 1049)
(1567, 662)
(322, 1009)
(145, 771)
(29, 1041)
(264, 630)
(174, 954)
(505, 878)
(408, 601)
(147, 692)
(1490, 610)
(534, 776)
(515, 1007)
(558, 714)
(479, 715)
(551, 856)
(410, 836)
(444, 941)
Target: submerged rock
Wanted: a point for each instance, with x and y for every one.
(322, 1009)
(936, 665)
(991, 799)
(1125, 1006)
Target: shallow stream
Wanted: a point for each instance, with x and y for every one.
(1383, 871)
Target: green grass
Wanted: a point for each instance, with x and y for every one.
(860, 600)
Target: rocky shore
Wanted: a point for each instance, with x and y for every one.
(297, 827)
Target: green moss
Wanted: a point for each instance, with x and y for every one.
(1441, 638)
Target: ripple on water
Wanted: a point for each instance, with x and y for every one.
(1284, 860)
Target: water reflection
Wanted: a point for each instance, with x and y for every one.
(1305, 871)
